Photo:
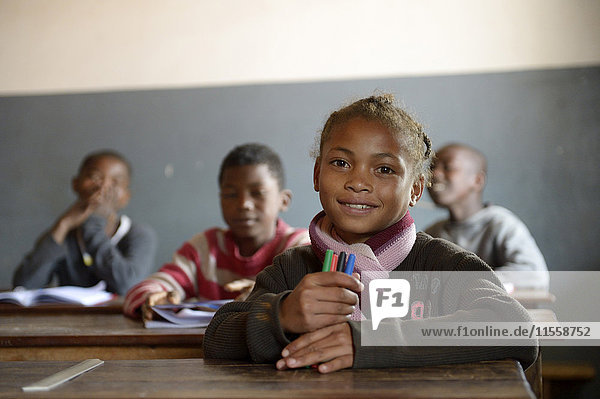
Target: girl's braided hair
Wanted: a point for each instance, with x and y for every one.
(382, 109)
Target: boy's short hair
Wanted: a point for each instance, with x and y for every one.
(93, 156)
(254, 154)
(478, 158)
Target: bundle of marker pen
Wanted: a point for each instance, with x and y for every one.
(334, 262)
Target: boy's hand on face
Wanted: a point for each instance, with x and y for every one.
(330, 347)
(78, 213)
(104, 201)
(158, 298)
(321, 299)
(73, 217)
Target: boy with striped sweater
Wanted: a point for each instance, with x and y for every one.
(222, 263)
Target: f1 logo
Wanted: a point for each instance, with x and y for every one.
(388, 298)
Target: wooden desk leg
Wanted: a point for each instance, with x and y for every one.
(534, 376)
(564, 379)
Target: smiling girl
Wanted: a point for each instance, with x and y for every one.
(372, 164)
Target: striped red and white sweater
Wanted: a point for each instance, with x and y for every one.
(208, 261)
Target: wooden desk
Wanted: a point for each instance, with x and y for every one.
(542, 315)
(78, 336)
(565, 378)
(533, 298)
(58, 335)
(114, 306)
(198, 378)
(535, 373)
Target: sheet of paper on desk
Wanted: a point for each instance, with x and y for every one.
(65, 294)
(185, 315)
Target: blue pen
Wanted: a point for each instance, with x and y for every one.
(350, 264)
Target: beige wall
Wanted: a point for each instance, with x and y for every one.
(56, 46)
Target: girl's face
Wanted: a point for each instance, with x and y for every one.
(365, 179)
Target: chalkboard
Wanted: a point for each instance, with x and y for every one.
(540, 130)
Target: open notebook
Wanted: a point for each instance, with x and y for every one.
(185, 315)
(67, 294)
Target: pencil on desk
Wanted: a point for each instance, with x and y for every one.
(56, 379)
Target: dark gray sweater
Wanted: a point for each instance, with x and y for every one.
(251, 330)
(120, 265)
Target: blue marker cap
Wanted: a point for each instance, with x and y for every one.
(350, 264)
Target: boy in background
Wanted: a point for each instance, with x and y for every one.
(222, 263)
(492, 232)
(90, 242)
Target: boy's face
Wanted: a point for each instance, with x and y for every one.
(454, 177)
(105, 182)
(364, 179)
(251, 200)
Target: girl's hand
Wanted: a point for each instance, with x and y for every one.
(158, 298)
(330, 347)
(321, 299)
